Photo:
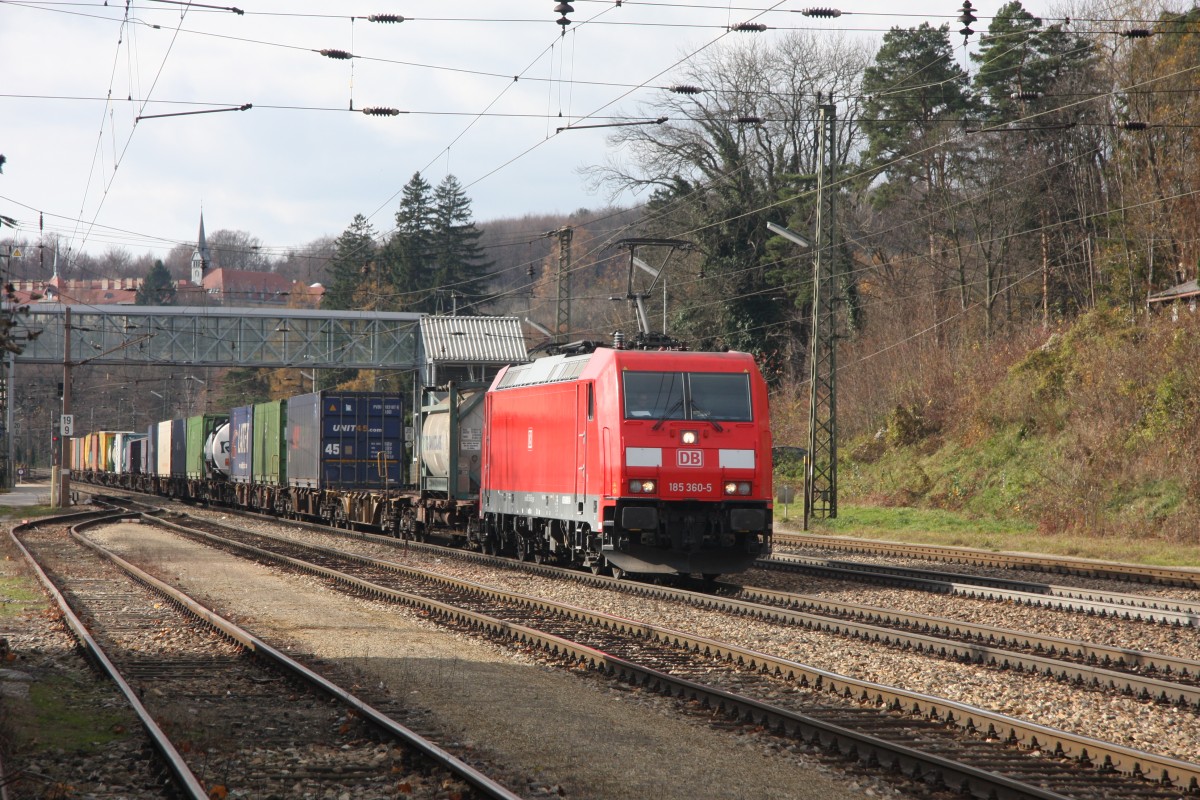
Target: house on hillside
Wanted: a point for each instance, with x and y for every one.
(101, 292)
(1183, 294)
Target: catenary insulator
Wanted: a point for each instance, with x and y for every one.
(1134, 125)
(966, 18)
(1137, 33)
(1026, 95)
(380, 111)
(385, 18)
(340, 54)
(749, 27)
(749, 120)
(821, 12)
(685, 89)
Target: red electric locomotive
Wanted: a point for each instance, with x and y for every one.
(638, 461)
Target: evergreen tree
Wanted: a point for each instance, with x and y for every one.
(916, 96)
(158, 287)
(459, 265)
(349, 269)
(404, 262)
(1020, 61)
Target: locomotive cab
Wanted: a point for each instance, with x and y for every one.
(639, 461)
(694, 489)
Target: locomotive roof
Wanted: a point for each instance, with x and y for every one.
(553, 369)
(550, 369)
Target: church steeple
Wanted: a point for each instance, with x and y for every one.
(200, 257)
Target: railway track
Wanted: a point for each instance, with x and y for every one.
(1184, 577)
(1063, 598)
(1157, 677)
(226, 712)
(700, 669)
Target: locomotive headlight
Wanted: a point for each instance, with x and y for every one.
(689, 437)
(641, 487)
(737, 487)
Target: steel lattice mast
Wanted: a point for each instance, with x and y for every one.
(820, 478)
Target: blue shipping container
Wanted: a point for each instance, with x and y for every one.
(241, 429)
(345, 440)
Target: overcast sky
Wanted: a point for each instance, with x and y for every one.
(300, 164)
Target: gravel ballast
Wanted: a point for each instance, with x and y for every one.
(578, 735)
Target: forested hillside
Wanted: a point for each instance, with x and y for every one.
(1089, 427)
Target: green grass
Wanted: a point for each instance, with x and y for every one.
(946, 528)
(64, 714)
(16, 594)
(21, 512)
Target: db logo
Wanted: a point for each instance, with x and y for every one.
(689, 458)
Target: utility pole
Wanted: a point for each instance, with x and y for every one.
(62, 481)
(820, 477)
(562, 326)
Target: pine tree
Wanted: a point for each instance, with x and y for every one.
(915, 92)
(404, 262)
(349, 269)
(460, 266)
(158, 287)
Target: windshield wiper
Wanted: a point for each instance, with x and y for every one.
(678, 405)
(701, 413)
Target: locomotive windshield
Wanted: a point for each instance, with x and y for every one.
(687, 395)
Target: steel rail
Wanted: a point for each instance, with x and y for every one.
(925, 580)
(1049, 589)
(994, 646)
(987, 644)
(186, 780)
(988, 636)
(1094, 568)
(1085, 749)
(476, 779)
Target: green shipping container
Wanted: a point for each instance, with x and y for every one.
(268, 464)
(199, 429)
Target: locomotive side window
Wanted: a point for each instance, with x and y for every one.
(725, 397)
(674, 395)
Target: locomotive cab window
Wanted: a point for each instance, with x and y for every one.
(686, 395)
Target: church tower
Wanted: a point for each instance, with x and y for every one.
(200, 257)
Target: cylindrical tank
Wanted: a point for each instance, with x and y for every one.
(216, 450)
(453, 443)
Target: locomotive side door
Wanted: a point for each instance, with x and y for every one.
(585, 401)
